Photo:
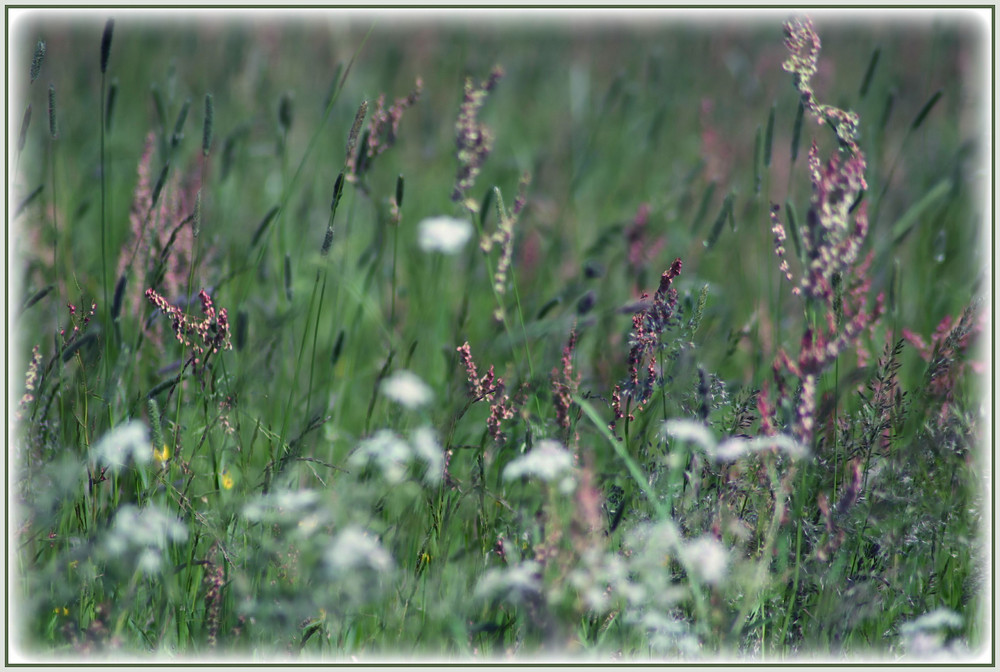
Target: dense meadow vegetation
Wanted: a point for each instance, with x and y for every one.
(644, 337)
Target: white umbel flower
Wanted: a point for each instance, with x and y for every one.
(447, 235)
(547, 461)
(407, 389)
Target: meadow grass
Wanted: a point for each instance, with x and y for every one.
(505, 342)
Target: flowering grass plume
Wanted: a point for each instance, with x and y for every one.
(474, 139)
(489, 387)
(646, 343)
(204, 337)
(835, 229)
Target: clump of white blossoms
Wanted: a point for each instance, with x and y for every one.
(393, 455)
(731, 449)
(126, 443)
(706, 559)
(146, 532)
(547, 461)
(447, 235)
(357, 567)
(515, 584)
(407, 389)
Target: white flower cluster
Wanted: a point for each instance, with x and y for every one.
(447, 235)
(393, 455)
(407, 389)
(147, 532)
(126, 443)
(731, 449)
(546, 461)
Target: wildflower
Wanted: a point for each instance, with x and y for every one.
(733, 448)
(393, 455)
(705, 558)
(426, 448)
(547, 461)
(447, 235)
(488, 387)
(124, 444)
(145, 532)
(212, 331)
(515, 584)
(161, 456)
(407, 389)
(281, 505)
(355, 551)
(226, 480)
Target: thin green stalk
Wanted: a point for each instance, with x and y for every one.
(662, 513)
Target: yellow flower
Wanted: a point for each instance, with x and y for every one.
(61, 610)
(226, 480)
(161, 456)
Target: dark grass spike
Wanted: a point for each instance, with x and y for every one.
(338, 347)
(36, 297)
(28, 200)
(229, 149)
(549, 305)
(361, 160)
(116, 302)
(870, 72)
(178, 133)
(285, 113)
(160, 182)
(161, 112)
(793, 228)
(22, 137)
(724, 213)
(37, 59)
(699, 216)
(288, 277)
(263, 225)
(484, 207)
(110, 105)
(797, 130)
(242, 319)
(890, 103)
(338, 192)
(769, 136)
(77, 344)
(53, 128)
(926, 109)
(106, 44)
(327, 242)
(163, 387)
(399, 191)
(207, 127)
